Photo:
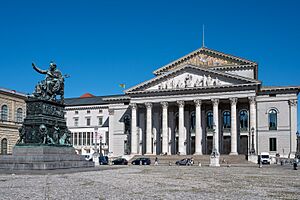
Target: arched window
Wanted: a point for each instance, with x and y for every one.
(244, 120)
(226, 120)
(4, 146)
(209, 120)
(19, 115)
(4, 113)
(193, 121)
(272, 119)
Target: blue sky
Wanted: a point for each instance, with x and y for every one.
(104, 43)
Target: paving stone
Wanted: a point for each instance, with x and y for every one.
(157, 182)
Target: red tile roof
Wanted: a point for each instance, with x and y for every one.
(86, 95)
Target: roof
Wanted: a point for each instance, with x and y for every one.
(242, 61)
(86, 95)
(95, 100)
(13, 92)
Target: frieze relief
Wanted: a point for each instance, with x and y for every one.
(47, 109)
(188, 80)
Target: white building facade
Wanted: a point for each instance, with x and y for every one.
(87, 119)
(188, 100)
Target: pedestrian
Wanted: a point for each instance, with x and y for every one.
(295, 164)
(156, 161)
(192, 161)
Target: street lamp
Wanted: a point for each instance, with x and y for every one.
(96, 137)
(214, 152)
(252, 151)
(298, 146)
(100, 144)
(96, 153)
(215, 156)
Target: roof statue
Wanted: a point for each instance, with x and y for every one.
(51, 86)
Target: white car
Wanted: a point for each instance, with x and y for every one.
(265, 158)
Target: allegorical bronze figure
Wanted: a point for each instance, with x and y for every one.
(52, 85)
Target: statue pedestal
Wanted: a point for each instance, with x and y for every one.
(43, 158)
(214, 161)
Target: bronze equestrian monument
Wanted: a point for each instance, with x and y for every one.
(44, 141)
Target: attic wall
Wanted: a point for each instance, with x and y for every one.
(248, 73)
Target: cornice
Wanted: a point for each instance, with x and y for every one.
(85, 107)
(176, 90)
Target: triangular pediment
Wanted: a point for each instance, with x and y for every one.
(190, 77)
(204, 58)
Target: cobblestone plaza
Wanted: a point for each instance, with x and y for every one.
(156, 182)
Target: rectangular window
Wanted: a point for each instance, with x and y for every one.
(88, 138)
(71, 138)
(88, 121)
(88, 112)
(100, 111)
(273, 144)
(76, 112)
(75, 121)
(84, 138)
(107, 137)
(80, 138)
(100, 121)
(92, 136)
(75, 138)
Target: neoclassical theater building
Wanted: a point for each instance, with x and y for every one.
(204, 96)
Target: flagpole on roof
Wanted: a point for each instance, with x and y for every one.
(203, 44)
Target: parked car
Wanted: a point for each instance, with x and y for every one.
(265, 158)
(185, 161)
(120, 161)
(103, 160)
(88, 157)
(143, 161)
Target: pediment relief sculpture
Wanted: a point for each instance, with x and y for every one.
(188, 80)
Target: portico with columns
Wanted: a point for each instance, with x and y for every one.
(188, 134)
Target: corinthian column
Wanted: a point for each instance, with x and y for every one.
(181, 139)
(293, 115)
(149, 129)
(134, 133)
(233, 127)
(165, 127)
(198, 131)
(216, 123)
(252, 102)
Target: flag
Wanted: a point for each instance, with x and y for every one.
(122, 85)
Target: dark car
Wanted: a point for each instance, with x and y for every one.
(120, 161)
(103, 160)
(143, 161)
(185, 161)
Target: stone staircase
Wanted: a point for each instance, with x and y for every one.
(225, 160)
